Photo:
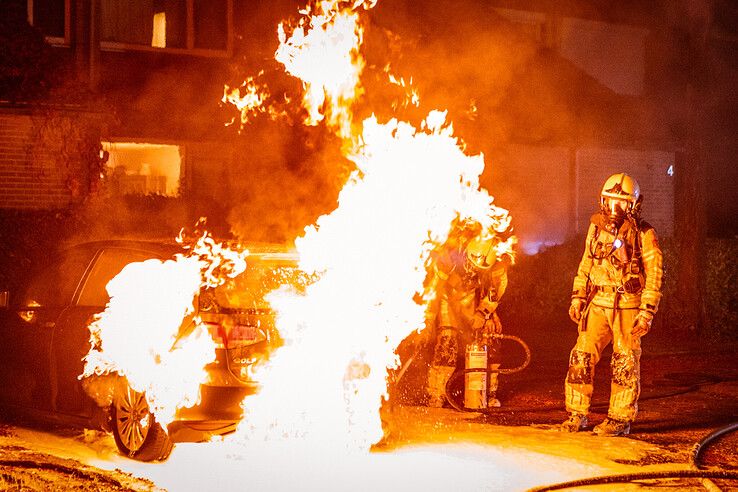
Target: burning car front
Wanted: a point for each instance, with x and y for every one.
(91, 345)
(240, 320)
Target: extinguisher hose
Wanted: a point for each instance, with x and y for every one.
(511, 370)
(501, 370)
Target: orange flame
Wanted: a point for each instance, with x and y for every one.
(370, 255)
(327, 383)
(248, 98)
(412, 96)
(136, 336)
(323, 51)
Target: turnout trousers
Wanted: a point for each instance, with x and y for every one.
(600, 326)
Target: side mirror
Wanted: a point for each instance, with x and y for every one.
(4, 299)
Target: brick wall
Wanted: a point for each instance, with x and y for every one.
(30, 176)
(649, 168)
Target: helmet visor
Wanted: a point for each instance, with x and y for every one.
(614, 207)
(481, 253)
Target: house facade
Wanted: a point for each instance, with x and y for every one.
(160, 66)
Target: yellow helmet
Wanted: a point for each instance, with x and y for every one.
(481, 252)
(619, 195)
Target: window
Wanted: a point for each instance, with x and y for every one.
(52, 17)
(55, 284)
(142, 168)
(189, 26)
(155, 23)
(108, 265)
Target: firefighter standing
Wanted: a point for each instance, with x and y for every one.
(469, 280)
(616, 293)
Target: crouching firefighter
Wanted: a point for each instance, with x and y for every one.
(469, 277)
(616, 293)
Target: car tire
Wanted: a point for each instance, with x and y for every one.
(136, 432)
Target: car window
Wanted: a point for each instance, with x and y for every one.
(109, 264)
(55, 284)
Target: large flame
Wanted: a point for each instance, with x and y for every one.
(136, 336)
(369, 257)
(327, 383)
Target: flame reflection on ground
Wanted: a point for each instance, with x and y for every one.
(475, 457)
(430, 467)
(437, 450)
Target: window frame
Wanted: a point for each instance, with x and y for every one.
(190, 49)
(56, 40)
(183, 153)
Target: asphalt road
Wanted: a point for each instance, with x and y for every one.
(686, 394)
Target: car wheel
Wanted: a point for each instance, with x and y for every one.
(135, 431)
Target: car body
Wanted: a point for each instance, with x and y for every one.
(44, 334)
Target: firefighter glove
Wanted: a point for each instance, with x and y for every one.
(493, 325)
(576, 308)
(642, 323)
(478, 321)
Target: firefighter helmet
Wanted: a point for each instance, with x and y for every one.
(619, 196)
(481, 252)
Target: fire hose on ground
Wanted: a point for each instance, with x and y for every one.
(696, 471)
(630, 477)
(694, 457)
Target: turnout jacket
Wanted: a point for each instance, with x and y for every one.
(621, 269)
(461, 291)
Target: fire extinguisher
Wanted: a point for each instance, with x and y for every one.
(480, 378)
(475, 381)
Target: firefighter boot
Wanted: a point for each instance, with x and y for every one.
(611, 427)
(438, 376)
(575, 423)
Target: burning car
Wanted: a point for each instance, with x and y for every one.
(44, 328)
